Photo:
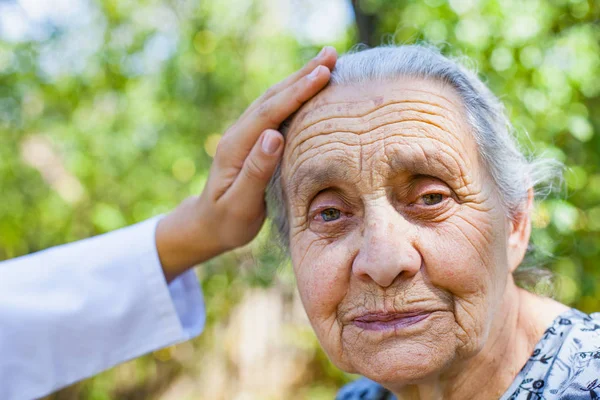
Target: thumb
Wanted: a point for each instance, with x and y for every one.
(252, 181)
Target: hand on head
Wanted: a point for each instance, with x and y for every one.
(231, 209)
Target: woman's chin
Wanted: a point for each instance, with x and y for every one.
(395, 368)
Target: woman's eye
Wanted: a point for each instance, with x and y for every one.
(330, 214)
(432, 199)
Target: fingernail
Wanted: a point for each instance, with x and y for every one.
(315, 72)
(270, 142)
(322, 52)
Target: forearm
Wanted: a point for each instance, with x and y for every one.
(72, 311)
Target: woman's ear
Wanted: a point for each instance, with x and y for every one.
(518, 239)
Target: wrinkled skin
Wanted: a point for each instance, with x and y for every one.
(391, 210)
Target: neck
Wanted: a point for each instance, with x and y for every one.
(518, 326)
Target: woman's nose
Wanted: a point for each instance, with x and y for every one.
(387, 249)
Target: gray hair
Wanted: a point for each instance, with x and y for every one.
(514, 174)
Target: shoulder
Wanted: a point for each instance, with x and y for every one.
(566, 361)
(364, 389)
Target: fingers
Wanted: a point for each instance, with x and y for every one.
(327, 57)
(267, 112)
(271, 113)
(282, 105)
(249, 187)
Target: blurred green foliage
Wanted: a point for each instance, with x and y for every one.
(111, 115)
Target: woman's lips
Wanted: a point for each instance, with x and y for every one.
(388, 321)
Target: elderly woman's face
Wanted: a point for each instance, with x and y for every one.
(398, 238)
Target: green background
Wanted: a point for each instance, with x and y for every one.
(110, 112)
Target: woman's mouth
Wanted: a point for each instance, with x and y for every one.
(389, 321)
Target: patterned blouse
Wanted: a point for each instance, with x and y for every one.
(564, 365)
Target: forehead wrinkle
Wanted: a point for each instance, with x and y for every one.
(427, 107)
(306, 156)
(291, 156)
(376, 112)
(443, 154)
(298, 147)
(333, 169)
(416, 134)
(319, 104)
(435, 163)
(324, 110)
(445, 117)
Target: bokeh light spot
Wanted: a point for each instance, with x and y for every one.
(580, 128)
(205, 42)
(576, 178)
(211, 143)
(502, 59)
(183, 169)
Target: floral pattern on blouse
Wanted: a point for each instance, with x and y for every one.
(565, 364)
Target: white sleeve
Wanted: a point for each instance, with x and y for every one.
(72, 311)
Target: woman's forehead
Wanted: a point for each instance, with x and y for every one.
(361, 99)
(406, 112)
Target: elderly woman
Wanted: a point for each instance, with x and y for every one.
(406, 204)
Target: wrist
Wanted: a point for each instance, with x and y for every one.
(184, 239)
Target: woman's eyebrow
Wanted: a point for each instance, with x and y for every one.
(446, 168)
(307, 178)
